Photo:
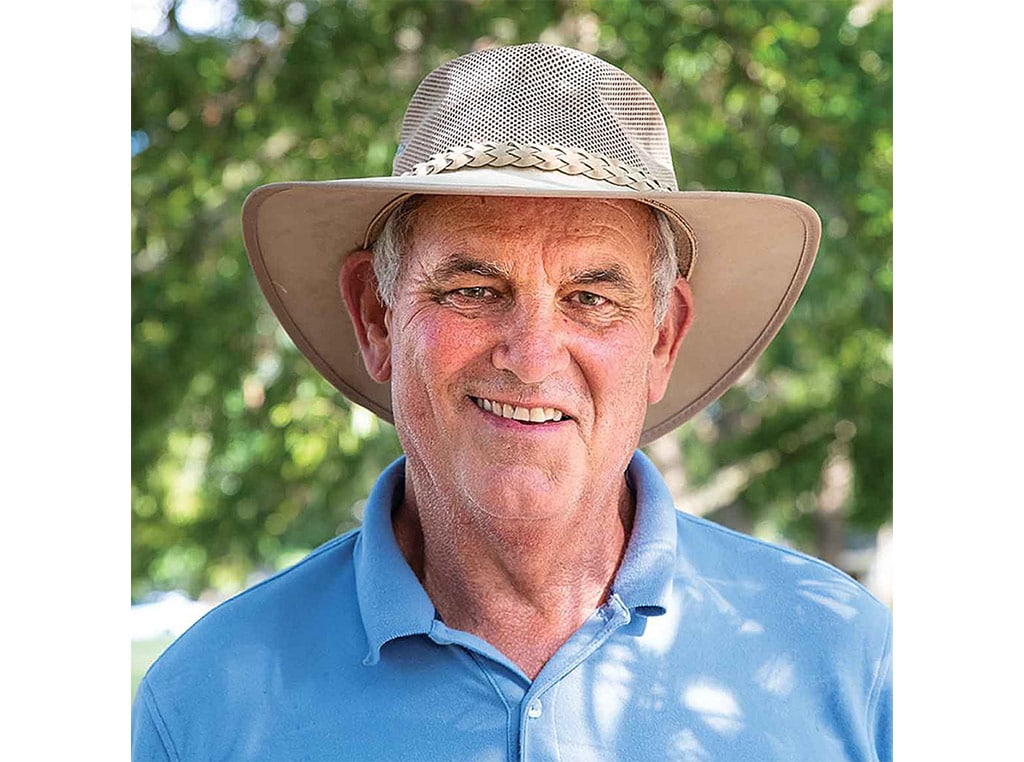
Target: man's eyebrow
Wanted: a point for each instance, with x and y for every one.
(460, 264)
(611, 274)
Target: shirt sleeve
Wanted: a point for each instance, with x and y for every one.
(147, 740)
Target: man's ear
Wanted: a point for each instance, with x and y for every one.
(673, 328)
(358, 286)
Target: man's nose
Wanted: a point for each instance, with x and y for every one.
(533, 343)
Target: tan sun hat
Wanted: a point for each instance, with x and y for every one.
(538, 120)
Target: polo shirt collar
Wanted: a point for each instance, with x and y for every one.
(644, 579)
(393, 603)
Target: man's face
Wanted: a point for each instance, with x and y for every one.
(539, 308)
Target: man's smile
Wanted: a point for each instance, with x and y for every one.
(523, 414)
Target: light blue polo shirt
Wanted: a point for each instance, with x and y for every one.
(712, 646)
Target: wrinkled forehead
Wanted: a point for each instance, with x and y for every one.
(611, 224)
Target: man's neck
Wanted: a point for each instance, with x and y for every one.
(523, 586)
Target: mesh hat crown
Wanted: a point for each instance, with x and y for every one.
(537, 121)
(535, 97)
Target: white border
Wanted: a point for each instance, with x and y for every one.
(959, 296)
(66, 315)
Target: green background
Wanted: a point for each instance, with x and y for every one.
(244, 459)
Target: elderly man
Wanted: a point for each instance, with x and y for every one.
(528, 297)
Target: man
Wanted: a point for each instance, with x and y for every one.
(528, 298)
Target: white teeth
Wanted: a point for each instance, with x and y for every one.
(519, 413)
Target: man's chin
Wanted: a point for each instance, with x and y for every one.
(525, 491)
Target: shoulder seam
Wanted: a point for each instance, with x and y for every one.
(157, 718)
(876, 685)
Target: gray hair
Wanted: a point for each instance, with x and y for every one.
(393, 239)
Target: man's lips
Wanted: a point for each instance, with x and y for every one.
(521, 413)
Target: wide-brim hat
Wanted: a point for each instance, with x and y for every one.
(547, 121)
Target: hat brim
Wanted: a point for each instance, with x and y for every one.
(754, 254)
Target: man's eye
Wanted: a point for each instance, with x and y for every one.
(473, 292)
(470, 296)
(588, 299)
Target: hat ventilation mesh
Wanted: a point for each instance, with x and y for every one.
(536, 94)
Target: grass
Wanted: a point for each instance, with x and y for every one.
(144, 653)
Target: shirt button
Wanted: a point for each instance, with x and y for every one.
(535, 709)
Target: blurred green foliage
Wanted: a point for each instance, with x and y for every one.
(243, 458)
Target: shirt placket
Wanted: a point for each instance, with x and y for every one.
(538, 736)
(532, 733)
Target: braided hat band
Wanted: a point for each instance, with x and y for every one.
(571, 161)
